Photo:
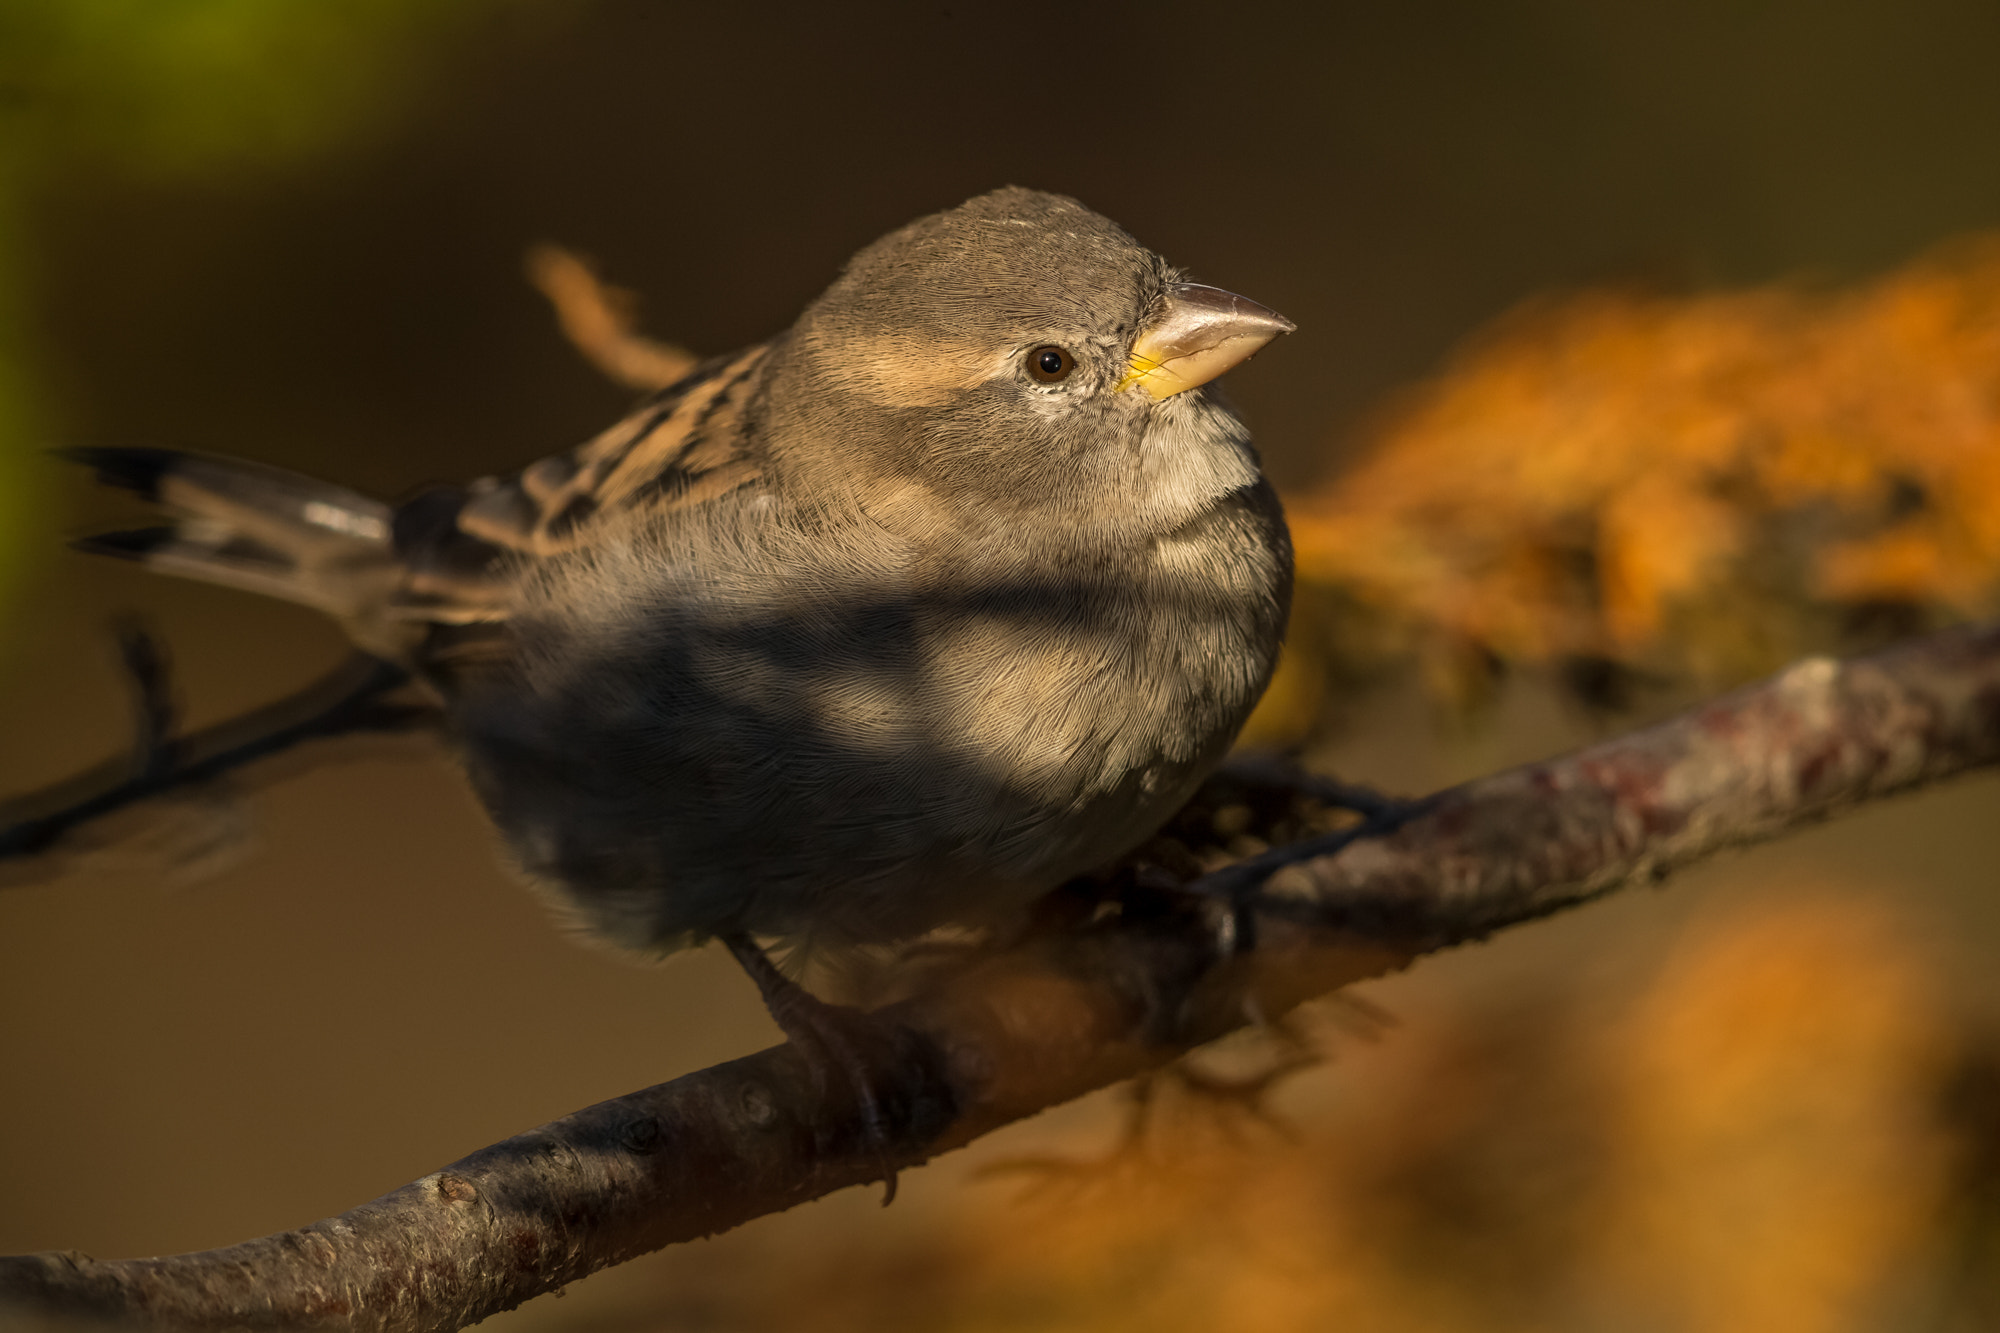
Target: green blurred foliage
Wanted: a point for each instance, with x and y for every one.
(18, 418)
(174, 89)
(172, 86)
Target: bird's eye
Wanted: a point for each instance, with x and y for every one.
(1050, 365)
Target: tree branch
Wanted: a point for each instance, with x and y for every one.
(1071, 1009)
(356, 698)
(1819, 737)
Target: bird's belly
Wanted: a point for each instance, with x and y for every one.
(867, 790)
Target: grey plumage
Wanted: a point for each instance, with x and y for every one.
(861, 631)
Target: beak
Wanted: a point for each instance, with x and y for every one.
(1201, 332)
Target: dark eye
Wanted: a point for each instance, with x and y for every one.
(1050, 365)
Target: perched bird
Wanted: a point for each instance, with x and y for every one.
(954, 589)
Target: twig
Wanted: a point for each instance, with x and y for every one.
(1280, 772)
(1066, 1012)
(354, 698)
(599, 321)
(155, 716)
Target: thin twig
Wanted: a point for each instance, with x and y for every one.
(1281, 772)
(355, 698)
(156, 717)
(600, 322)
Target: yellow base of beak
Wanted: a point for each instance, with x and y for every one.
(1199, 333)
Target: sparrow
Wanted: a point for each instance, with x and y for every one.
(953, 590)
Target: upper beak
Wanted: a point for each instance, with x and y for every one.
(1201, 332)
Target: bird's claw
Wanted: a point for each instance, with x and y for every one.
(887, 1069)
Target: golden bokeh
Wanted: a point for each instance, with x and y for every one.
(1712, 483)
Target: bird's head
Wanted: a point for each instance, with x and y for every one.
(1022, 353)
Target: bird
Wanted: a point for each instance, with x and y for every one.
(952, 591)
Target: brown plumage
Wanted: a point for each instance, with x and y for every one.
(954, 589)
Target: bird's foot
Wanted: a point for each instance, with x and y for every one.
(891, 1074)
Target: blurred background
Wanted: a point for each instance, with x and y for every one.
(1640, 350)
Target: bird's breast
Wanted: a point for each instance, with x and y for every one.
(863, 753)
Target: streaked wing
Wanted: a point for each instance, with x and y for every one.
(678, 448)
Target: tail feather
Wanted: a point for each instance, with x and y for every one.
(251, 526)
(236, 564)
(135, 544)
(283, 509)
(128, 469)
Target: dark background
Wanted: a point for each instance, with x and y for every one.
(364, 996)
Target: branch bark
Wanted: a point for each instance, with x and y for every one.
(1075, 1008)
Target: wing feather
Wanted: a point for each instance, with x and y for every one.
(683, 446)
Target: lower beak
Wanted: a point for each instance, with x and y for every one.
(1198, 334)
